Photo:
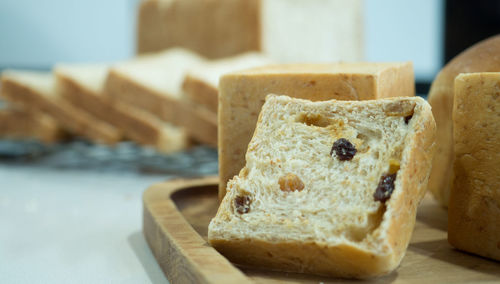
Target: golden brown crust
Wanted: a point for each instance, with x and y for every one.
(149, 39)
(26, 124)
(313, 258)
(72, 119)
(481, 57)
(137, 125)
(474, 208)
(345, 259)
(191, 24)
(413, 177)
(201, 92)
(199, 123)
(242, 95)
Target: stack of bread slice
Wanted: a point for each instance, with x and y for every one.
(141, 99)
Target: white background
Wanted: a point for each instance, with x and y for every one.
(39, 33)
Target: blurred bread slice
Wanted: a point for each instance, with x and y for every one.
(153, 83)
(201, 83)
(83, 86)
(20, 124)
(37, 91)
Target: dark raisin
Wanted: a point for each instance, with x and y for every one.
(407, 118)
(344, 149)
(242, 204)
(385, 187)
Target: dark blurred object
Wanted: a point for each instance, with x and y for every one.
(468, 22)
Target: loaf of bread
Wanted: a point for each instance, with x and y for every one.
(481, 57)
(214, 28)
(16, 123)
(153, 83)
(38, 91)
(242, 95)
(201, 82)
(83, 86)
(288, 31)
(328, 188)
(474, 205)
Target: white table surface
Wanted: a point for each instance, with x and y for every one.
(73, 226)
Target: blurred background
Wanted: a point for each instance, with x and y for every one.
(37, 34)
(75, 214)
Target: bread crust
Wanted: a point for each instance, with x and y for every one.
(474, 208)
(16, 123)
(201, 92)
(349, 259)
(199, 123)
(242, 95)
(481, 57)
(213, 28)
(72, 119)
(136, 124)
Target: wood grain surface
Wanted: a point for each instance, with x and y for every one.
(176, 218)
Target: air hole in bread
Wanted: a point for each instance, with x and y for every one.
(314, 119)
(400, 108)
(358, 234)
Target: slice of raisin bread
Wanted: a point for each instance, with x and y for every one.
(329, 188)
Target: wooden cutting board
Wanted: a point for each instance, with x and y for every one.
(176, 217)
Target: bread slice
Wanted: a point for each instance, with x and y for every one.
(83, 86)
(481, 57)
(315, 194)
(154, 83)
(242, 95)
(20, 124)
(474, 205)
(37, 90)
(201, 83)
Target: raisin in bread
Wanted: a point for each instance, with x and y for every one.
(329, 188)
(474, 207)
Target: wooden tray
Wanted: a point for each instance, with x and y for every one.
(176, 217)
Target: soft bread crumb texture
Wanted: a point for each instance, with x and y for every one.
(332, 204)
(474, 207)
